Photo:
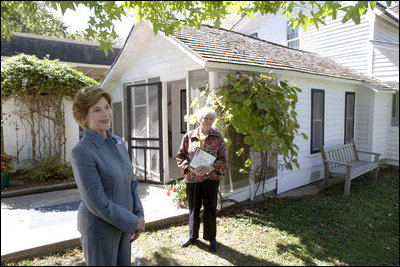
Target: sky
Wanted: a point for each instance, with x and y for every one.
(77, 21)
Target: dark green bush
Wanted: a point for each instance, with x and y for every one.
(46, 169)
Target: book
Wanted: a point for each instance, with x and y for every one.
(201, 158)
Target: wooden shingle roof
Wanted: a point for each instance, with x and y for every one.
(225, 46)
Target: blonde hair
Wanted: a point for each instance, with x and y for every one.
(204, 111)
(84, 99)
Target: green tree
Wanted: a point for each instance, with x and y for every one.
(31, 17)
(167, 16)
(35, 17)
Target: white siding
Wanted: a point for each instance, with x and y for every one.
(381, 122)
(393, 145)
(386, 32)
(271, 28)
(386, 51)
(18, 138)
(363, 123)
(311, 168)
(385, 64)
(345, 43)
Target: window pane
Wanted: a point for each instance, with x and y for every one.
(317, 134)
(153, 110)
(317, 120)
(140, 95)
(395, 110)
(291, 34)
(318, 106)
(183, 111)
(254, 34)
(349, 118)
(294, 44)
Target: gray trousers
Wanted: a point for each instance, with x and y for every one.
(107, 251)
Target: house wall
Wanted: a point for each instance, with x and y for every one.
(152, 56)
(18, 137)
(364, 120)
(345, 43)
(393, 146)
(381, 123)
(265, 27)
(311, 168)
(371, 47)
(386, 52)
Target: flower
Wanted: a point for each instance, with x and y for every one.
(6, 161)
(178, 191)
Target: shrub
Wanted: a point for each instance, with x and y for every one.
(177, 190)
(46, 169)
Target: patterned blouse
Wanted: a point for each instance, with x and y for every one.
(214, 144)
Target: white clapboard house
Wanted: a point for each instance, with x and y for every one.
(156, 77)
(371, 48)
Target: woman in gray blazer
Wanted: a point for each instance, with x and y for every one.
(110, 215)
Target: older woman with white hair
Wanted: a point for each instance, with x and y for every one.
(202, 183)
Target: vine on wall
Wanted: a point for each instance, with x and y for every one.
(263, 111)
(38, 88)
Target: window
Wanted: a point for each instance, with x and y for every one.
(395, 109)
(349, 117)
(255, 34)
(292, 36)
(183, 111)
(317, 119)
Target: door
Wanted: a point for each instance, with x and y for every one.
(144, 124)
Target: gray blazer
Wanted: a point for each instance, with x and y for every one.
(108, 188)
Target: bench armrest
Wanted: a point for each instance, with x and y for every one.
(337, 162)
(376, 155)
(372, 153)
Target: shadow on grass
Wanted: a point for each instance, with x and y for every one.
(360, 229)
(235, 257)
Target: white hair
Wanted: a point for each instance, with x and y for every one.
(204, 111)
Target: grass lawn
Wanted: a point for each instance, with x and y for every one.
(325, 229)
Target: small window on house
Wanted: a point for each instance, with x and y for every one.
(183, 111)
(317, 119)
(292, 36)
(395, 110)
(349, 117)
(255, 34)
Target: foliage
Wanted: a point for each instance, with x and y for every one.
(178, 191)
(167, 16)
(263, 111)
(31, 17)
(27, 75)
(46, 169)
(6, 162)
(35, 17)
(38, 87)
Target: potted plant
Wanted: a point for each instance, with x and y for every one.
(6, 164)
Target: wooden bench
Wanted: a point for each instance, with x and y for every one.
(343, 161)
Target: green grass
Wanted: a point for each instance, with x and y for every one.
(325, 229)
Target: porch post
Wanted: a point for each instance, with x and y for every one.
(213, 79)
(164, 112)
(189, 91)
(215, 83)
